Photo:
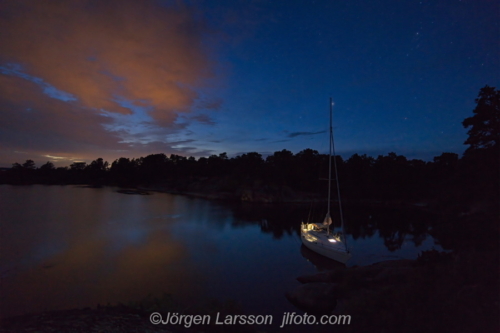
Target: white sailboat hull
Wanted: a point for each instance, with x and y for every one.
(315, 236)
(318, 242)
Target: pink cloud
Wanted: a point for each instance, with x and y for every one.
(96, 50)
(101, 53)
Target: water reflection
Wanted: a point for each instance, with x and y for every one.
(64, 247)
(394, 226)
(92, 247)
(320, 262)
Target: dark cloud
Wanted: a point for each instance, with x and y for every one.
(214, 104)
(203, 118)
(33, 122)
(196, 152)
(294, 134)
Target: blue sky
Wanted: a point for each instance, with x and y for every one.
(205, 77)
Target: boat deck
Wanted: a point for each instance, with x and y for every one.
(326, 245)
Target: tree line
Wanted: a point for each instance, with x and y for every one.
(361, 177)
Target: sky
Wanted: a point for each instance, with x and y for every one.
(83, 79)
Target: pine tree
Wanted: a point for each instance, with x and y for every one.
(485, 131)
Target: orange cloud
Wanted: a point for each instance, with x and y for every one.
(111, 58)
(38, 127)
(102, 51)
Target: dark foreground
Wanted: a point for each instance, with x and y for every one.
(438, 292)
(106, 319)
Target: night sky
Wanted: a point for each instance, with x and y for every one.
(86, 79)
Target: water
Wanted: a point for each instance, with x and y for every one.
(64, 247)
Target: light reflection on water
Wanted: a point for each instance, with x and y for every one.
(65, 247)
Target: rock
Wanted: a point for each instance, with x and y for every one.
(319, 292)
(320, 277)
(319, 298)
(392, 275)
(133, 191)
(247, 195)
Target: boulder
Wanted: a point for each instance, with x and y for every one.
(316, 298)
(313, 278)
(393, 275)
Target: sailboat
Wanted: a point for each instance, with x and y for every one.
(317, 236)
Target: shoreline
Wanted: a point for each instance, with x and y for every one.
(436, 288)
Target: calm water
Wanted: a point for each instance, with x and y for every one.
(64, 247)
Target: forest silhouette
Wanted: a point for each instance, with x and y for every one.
(284, 176)
(455, 290)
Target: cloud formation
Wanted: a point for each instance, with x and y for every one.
(294, 134)
(79, 65)
(99, 50)
(36, 124)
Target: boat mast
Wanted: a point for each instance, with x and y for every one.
(328, 219)
(332, 148)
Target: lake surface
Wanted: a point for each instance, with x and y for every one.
(63, 247)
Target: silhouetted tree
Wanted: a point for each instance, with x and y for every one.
(98, 165)
(480, 165)
(123, 171)
(201, 167)
(47, 173)
(77, 166)
(359, 180)
(76, 173)
(23, 174)
(280, 159)
(447, 160)
(305, 170)
(29, 165)
(122, 166)
(188, 167)
(279, 165)
(418, 179)
(248, 165)
(47, 166)
(153, 167)
(96, 171)
(444, 167)
(391, 175)
(217, 165)
(16, 166)
(485, 124)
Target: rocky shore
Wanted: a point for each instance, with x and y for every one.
(285, 195)
(243, 194)
(438, 292)
(102, 319)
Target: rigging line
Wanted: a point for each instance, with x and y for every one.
(313, 207)
(309, 216)
(330, 160)
(332, 147)
(328, 217)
